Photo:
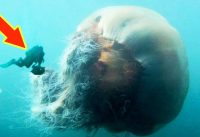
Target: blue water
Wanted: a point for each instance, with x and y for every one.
(49, 23)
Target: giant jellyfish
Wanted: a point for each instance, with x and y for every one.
(124, 69)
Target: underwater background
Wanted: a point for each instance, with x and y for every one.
(50, 24)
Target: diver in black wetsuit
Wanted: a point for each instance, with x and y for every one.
(34, 57)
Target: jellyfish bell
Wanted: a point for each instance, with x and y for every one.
(125, 69)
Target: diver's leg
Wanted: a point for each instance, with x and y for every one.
(28, 62)
(19, 62)
(9, 63)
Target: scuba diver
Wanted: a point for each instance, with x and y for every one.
(34, 57)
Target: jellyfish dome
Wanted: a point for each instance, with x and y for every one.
(125, 69)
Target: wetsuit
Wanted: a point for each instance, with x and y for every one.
(34, 57)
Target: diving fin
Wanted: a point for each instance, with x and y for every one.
(8, 64)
